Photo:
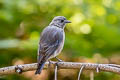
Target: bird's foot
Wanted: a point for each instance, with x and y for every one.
(59, 60)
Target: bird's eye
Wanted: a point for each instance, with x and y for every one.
(62, 21)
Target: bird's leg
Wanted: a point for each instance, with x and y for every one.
(59, 60)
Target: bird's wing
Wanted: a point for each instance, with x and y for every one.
(50, 40)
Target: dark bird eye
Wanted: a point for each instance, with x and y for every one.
(62, 21)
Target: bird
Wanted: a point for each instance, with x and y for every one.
(51, 41)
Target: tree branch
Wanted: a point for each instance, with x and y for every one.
(61, 65)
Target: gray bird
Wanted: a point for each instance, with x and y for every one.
(51, 41)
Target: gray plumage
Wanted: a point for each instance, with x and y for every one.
(51, 41)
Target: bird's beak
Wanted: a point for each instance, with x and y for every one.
(66, 21)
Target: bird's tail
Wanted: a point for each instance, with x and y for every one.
(40, 67)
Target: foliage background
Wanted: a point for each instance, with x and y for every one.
(93, 36)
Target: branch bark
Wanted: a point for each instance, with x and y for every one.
(61, 65)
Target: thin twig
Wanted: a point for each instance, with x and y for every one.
(62, 65)
(56, 72)
(80, 72)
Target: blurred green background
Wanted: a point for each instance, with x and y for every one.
(93, 36)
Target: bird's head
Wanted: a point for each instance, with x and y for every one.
(59, 21)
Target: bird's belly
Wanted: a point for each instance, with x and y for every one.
(59, 49)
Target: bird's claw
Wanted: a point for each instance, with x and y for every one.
(59, 60)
